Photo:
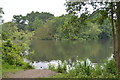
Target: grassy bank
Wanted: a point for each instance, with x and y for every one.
(7, 68)
(84, 69)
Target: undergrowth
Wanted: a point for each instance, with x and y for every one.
(85, 69)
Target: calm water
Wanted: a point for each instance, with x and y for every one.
(47, 50)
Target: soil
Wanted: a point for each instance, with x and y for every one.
(33, 73)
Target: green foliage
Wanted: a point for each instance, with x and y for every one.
(110, 66)
(9, 68)
(14, 43)
(85, 69)
(49, 29)
(45, 32)
(72, 27)
(34, 25)
(81, 68)
(8, 29)
(60, 69)
(106, 30)
(79, 28)
(52, 67)
(27, 66)
(6, 68)
(87, 26)
(31, 21)
(19, 38)
(69, 30)
(11, 53)
(66, 27)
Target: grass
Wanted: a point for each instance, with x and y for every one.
(6, 68)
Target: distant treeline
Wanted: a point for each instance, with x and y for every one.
(64, 27)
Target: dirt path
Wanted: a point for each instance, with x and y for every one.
(33, 73)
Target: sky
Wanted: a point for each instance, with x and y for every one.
(22, 7)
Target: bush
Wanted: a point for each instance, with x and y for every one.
(51, 67)
(27, 66)
(84, 69)
(110, 66)
(11, 53)
(60, 69)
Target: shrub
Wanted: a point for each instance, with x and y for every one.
(51, 67)
(84, 69)
(61, 68)
(110, 66)
(11, 53)
(27, 66)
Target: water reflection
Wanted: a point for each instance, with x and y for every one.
(47, 50)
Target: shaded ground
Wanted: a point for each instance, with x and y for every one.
(33, 73)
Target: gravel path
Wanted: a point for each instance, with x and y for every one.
(33, 73)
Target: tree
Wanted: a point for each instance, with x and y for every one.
(32, 20)
(8, 30)
(117, 52)
(1, 12)
(85, 27)
(1, 21)
(74, 8)
(11, 53)
(49, 30)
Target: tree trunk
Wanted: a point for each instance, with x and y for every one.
(113, 29)
(118, 38)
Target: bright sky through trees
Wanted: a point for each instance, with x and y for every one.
(17, 7)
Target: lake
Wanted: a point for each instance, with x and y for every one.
(47, 50)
